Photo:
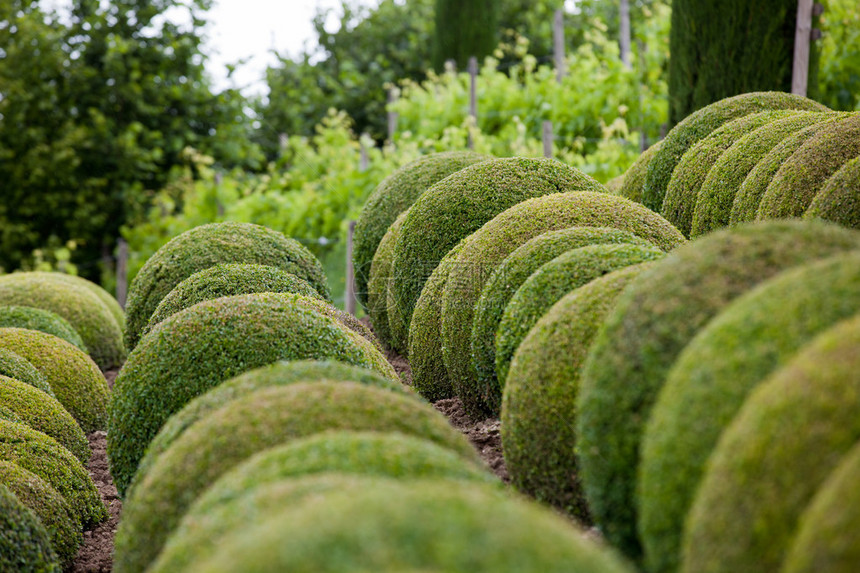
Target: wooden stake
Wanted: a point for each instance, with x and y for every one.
(122, 272)
(558, 44)
(473, 97)
(365, 159)
(802, 37)
(547, 138)
(350, 272)
(392, 115)
(624, 33)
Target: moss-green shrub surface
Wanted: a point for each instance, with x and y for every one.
(839, 199)
(779, 449)
(206, 246)
(74, 378)
(679, 203)
(228, 280)
(109, 301)
(539, 400)
(376, 301)
(458, 530)
(551, 282)
(43, 456)
(614, 185)
(24, 542)
(398, 323)
(460, 204)
(654, 320)
(700, 124)
(392, 197)
(228, 436)
(487, 248)
(233, 501)
(634, 177)
(41, 320)
(717, 195)
(85, 312)
(45, 414)
(715, 373)
(198, 348)
(16, 366)
(50, 507)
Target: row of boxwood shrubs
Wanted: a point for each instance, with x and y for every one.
(52, 328)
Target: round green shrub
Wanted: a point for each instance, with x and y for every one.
(45, 414)
(230, 435)
(42, 320)
(551, 282)
(393, 196)
(717, 194)
(398, 324)
(212, 341)
(8, 415)
(206, 246)
(679, 203)
(43, 456)
(233, 501)
(228, 280)
(614, 185)
(277, 374)
(839, 199)
(460, 204)
(107, 299)
(24, 544)
(539, 400)
(62, 526)
(714, 374)
(16, 366)
(85, 312)
(487, 248)
(75, 380)
(803, 174)
(700, 124)
(778, 450)
(432, 527)
(642, 336)
(376, 301)
(634, 178)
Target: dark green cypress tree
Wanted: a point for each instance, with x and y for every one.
(465, 28)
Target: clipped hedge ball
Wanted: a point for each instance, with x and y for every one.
(62, 526)
(41, 320)
(228, 436)
(85, 312)
(714, 202)
(200, 347)
(487, 248)
(109, 301)
(24, 543)
(277, 374)
(839, 199)
(460, 204)
(393, 196)
(75, 380)
(614, 184)
(398, 324)
(16, 366)
(679, 203)
(700, 124)
(376, 301)
(432, 527)
(775, 454)
(634, 178)
(235, 500)
(8, 415)
(42, 455)
(539, 401)
(642, 336)
(553, 281)
(206, 246)
(228, 280)
(45, 414)
(728, 358)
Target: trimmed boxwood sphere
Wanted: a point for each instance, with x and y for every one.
(398, 324)
(779, 449)
(45, 414)
(487, 248)
(460, 204)
(243, 427)
(234, 500)
(613, 186)
(41, 320)
(714, 374)
(839, 199)
(700, 124)
(85, 312)
(206, 246)
(50, 507)
(109, 301)
(431, 527)
(16, 366)
(228, 280)
(641, 338)
(42, 455)
(376, 301)
(25, 546)
(75, 380)
(717, 195)
(539, 401)
(393, 196)
(212, 341)
(634, 178)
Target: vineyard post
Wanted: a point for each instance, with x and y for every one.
(473, 97)
(364, 162)
(121, 272)
(624, 33)
(558, 44)
(350, 271)
(547, 138)
(803, 36)
(392, 115)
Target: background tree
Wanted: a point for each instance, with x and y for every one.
(464, 28)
